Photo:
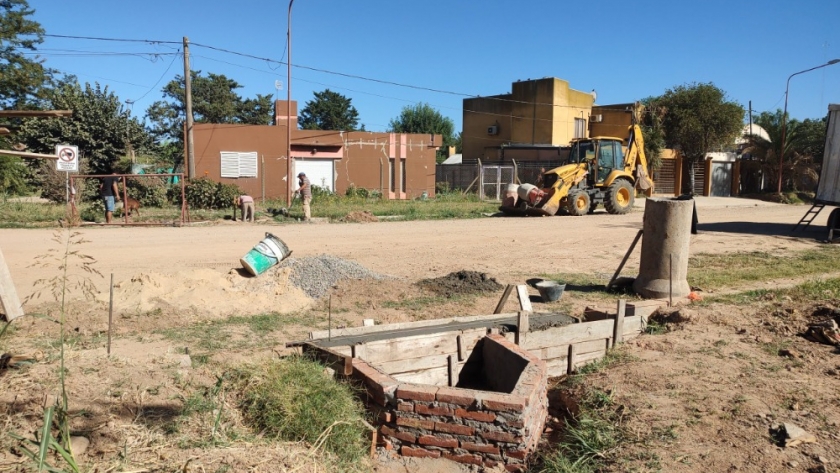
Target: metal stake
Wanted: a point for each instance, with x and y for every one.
(329, 318)
(670, 280)
(110, 314)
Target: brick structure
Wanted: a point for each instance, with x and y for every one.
(500, 425)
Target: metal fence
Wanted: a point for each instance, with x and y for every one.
(489, 180)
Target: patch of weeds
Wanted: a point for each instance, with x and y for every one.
(294, 399)
(720, 343)
(655, 328)
(199, 359)
(714, 271)
(773, 348)
(424, 302)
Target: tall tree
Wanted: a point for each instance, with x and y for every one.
(697, 119)
(214, 101)
(100, 127)
(329, 111)
(21, 78)
(803, 149)
(423, 118)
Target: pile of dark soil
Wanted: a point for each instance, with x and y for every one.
(461, 282)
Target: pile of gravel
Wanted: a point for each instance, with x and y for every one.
(316, 275)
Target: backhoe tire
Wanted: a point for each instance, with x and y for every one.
(620, 197)
(578, 203)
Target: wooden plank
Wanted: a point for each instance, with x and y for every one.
(462, 355)
(503, 300)
(524, 298)
(645, 308)
(634, 325)
(568, 334)
(435, 376)
(624, 260)
(562, 351)
(522, 327)
(589, 358)
(572, 359)
(419, 346)
(26, 154)
(413, 364)
(8, 295)
(557, 366)
(344, 350)
(453, 370)
(358, 351)
(342, 332)
(341, 364)
(618, 329)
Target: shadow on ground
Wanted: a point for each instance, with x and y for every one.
(814, 232)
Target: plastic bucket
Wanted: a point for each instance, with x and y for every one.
(550, 291)
(270, 251)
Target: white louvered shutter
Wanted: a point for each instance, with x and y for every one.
(230, 164)
(248, 164)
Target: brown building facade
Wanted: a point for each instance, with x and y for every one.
(399, 165)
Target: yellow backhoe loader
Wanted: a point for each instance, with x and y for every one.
(600, 171)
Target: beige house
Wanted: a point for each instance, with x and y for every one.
(536, 112)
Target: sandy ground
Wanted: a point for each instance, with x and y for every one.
(511, 249)
(712, 401)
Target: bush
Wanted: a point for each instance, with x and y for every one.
(295, 400)
(354, 191)
(202, 193)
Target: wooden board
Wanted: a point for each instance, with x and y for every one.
(435, 377)
(569, 334)
(8, 295)
(420, 346)
(341, 332)
(413, 364)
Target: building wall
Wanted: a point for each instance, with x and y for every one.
(540, 111)
(361, 159)
(478, 115)
(614, 120)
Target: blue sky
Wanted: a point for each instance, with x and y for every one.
(624, 50)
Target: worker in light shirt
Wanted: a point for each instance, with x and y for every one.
(246, 207)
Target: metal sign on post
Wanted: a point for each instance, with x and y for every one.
(68, 158)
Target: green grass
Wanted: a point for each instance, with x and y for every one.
(27, 214)
(293, 399)
(446, 206)
(711, 272)
(215, 335)
(813, 291)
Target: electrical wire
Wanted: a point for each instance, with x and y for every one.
(158, 81)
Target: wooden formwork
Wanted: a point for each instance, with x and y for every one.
(438, 355)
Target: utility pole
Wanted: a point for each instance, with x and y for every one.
(188, 103)
(289, 108)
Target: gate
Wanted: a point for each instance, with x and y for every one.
(493, 179)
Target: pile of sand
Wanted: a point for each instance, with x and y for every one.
(360, 216)
(208, 291)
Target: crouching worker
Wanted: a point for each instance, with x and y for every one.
(246, 207)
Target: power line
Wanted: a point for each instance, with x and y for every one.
(158, 81)
(94, 38)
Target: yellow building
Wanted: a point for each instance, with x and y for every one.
(536, 112)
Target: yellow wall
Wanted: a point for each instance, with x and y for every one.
(540, 111)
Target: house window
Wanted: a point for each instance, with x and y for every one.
(580, 128)
(238, 164)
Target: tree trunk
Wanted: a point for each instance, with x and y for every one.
(688, 176)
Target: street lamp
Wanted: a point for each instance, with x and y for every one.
(784, 116)
(289, 108)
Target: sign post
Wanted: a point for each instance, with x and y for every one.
(68, 161)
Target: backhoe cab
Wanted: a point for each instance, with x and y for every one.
(599, 171)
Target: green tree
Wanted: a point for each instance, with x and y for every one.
(329, 111)
(803, 149)
(654, 135)
(698, 118)
(214, 101)
(22, 77)
(422, 118)
(99, 126)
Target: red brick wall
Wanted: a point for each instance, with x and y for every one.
(463, 425)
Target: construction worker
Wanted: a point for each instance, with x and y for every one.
(246, 207)
(109, 191)
(305, 191)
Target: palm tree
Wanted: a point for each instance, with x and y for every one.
(799, 171)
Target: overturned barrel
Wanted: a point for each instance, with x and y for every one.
(664, 265)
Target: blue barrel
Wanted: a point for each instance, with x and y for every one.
(270, 251)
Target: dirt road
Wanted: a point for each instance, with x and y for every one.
(507, 248)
